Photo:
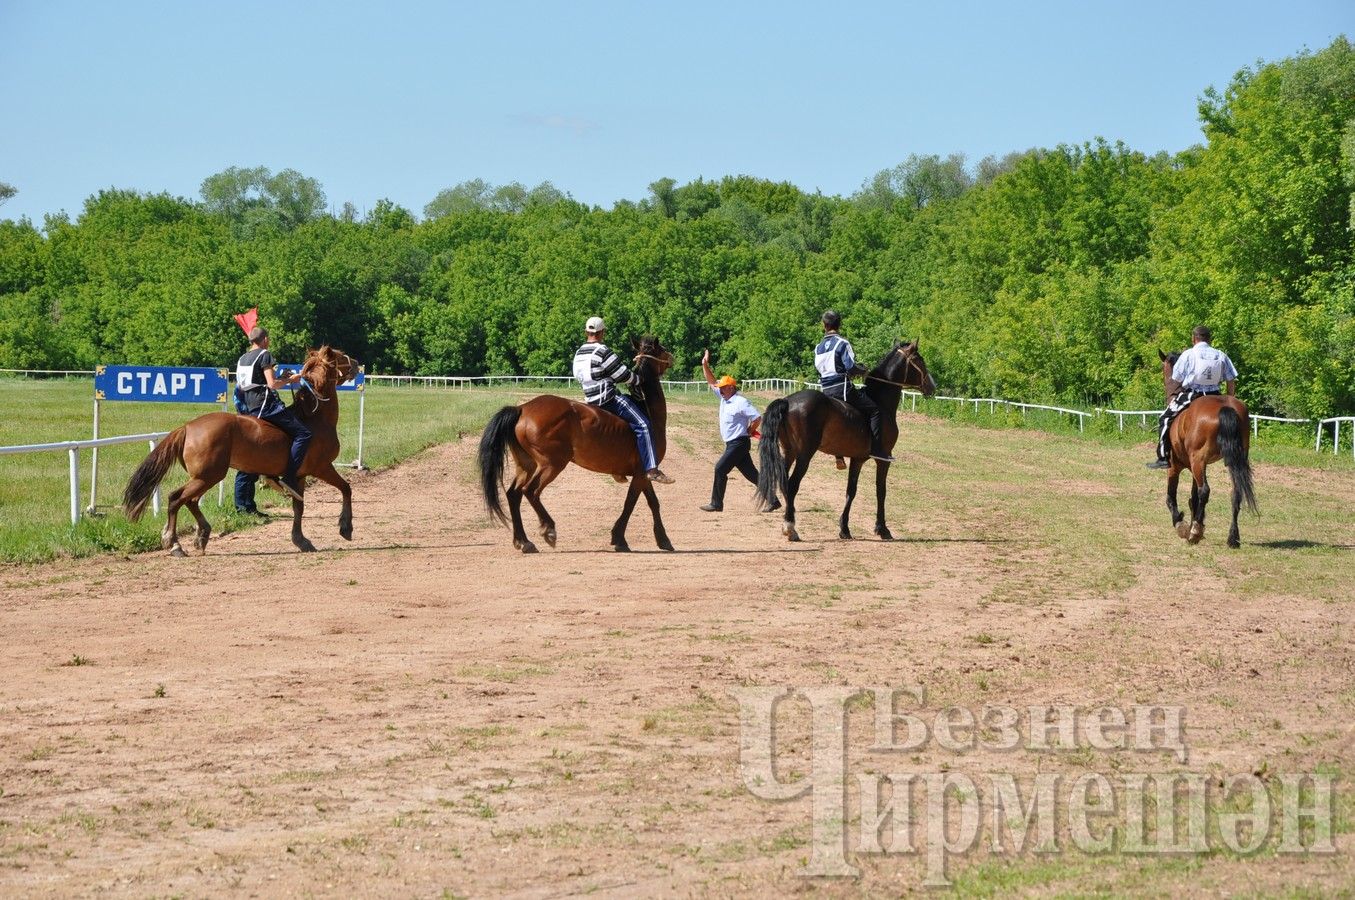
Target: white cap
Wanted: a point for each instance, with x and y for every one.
(594, 325)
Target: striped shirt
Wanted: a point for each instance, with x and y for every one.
(833, 358)
(599, 370)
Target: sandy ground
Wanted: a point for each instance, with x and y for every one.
(426, 712)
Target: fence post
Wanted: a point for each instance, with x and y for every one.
(155, 495)
(362, 407)
(94, 466)
(75, 484)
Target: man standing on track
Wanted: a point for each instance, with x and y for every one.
(738, 420)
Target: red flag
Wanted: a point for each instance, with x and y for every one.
(247, 320)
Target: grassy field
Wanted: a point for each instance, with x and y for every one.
(34, 488)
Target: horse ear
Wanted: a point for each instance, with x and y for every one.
(635, 343)
(1160, 355)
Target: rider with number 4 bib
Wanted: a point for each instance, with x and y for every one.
(258, 387)
(1198, 373)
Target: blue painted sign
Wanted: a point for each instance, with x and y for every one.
(161, 384)
(357, 383)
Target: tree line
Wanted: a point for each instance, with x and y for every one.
(1051, 274)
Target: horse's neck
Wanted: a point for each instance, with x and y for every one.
(886, 396)
(316, 411)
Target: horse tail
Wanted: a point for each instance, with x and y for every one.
(497, 434)
(772, 473)
(1234, 454)
(152, 471)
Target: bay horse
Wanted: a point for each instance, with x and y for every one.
(795, 427)
(547, 433)
(1213, 427)
(210, 445)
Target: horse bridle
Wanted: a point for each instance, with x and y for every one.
(911, 364)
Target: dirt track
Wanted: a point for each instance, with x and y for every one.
(427, 710)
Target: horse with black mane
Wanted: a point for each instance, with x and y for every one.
(547, 433)
(212, 445)
(1211, 428)
(796, 427)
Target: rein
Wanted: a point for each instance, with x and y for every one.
(911, 364)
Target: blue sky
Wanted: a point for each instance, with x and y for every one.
(399, 100)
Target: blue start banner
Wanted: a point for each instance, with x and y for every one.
(357, 383)
(161, 384)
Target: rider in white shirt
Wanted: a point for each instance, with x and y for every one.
(1199, 372)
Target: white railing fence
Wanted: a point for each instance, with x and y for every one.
(73, 449)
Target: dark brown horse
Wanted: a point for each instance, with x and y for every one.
(796, 427)
(211, 445)
(547, 433)
(1213, 427)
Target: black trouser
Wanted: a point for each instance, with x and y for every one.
(284, 418)
(736, 456)
(862, 401)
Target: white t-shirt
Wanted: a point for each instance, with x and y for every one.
(736, 414)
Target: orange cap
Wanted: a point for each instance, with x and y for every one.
(726, 381)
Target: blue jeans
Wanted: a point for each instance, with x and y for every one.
(274, 413)
(630, 413)
(244, 491)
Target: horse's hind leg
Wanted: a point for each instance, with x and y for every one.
(792, 489)
(660, 534)
(185, 496)
(514, 492)
(1197, 527)
(844, 531)
(535, 486)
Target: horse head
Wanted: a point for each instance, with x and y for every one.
(1168, 363)
(904, 367)
(652, 360)
(325, 369)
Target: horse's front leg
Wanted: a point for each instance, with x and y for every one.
(881, 486)
(619, 529)
(298, 538)
(331, 477)
(660, 535)
(844, 530)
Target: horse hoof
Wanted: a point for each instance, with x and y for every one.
(844, 535)
(549, 536)
(884, 534)
(1183, 530)
(793, 536)
(304, 545)
(529, 547)
(346, 533)
(178, 552)
(1196, 533)
(667, 546)
(1234, 543)
(622, 548)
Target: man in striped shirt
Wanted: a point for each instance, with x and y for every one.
(600, 370)
(837, 364)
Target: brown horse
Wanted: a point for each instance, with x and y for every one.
(1213, 427)
(211, 445)
(546, 433)
(797, 426)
